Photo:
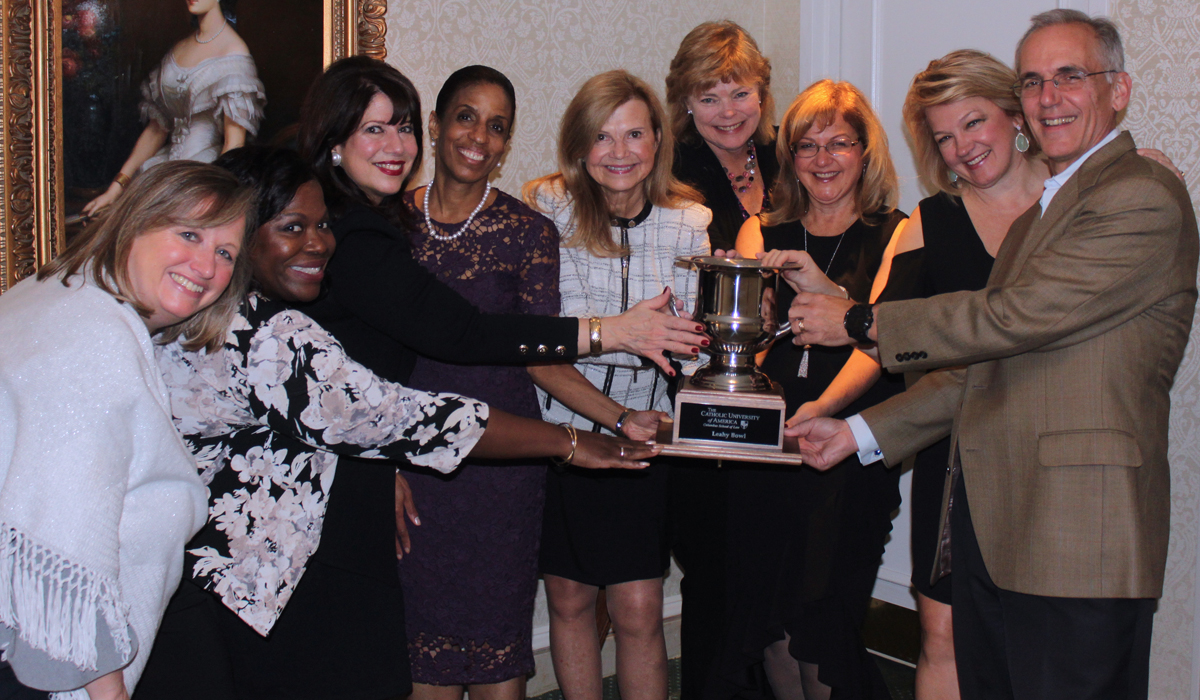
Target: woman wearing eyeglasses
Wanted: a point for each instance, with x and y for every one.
(964, 114)
(810, 542)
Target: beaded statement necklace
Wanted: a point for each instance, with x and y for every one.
(462, 229)
(742, 183)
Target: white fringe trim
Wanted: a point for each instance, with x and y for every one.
(53, 604)
(77, 694)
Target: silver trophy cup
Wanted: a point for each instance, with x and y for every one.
(729, 409)
(735, 301)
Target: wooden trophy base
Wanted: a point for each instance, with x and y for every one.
(720, 425)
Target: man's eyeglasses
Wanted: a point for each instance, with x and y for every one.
(833, 148)
(1064, 80)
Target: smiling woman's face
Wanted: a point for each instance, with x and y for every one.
(378, 155)
(975, 138)
(622, 157)
(179, 270)
(727, 114)
(474, 133)
(830, 180)
(290, 251)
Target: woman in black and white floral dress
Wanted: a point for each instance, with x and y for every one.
(267, 418)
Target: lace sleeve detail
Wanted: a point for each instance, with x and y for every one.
(302, 382)
(539, 276)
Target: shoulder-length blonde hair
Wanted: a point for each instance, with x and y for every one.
(956, 76)
(591, 107)
(816, 107)
(717, 52)
(175, 193)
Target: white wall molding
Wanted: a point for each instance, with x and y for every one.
(821, 27)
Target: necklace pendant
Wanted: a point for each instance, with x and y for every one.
(803, 371)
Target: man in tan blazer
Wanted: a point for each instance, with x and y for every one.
(1059, 413)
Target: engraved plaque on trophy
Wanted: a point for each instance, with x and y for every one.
(729, 409)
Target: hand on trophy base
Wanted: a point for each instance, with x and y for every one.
(823, 442)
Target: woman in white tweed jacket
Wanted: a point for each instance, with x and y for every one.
(98, 493)
(623, 219)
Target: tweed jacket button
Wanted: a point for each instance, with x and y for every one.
(560, 350)
(523, 349)
(541, 349)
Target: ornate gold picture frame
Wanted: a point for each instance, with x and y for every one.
(31, 189)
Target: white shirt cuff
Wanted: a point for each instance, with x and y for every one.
(868, 448)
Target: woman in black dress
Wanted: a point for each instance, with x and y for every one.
(967, 131)
(718, 91)
(809, 542)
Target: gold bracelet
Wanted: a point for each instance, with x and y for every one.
(594, 335)
(574, 444)
(122, 179)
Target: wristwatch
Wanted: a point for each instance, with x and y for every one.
(859, 319)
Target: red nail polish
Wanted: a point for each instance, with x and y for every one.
(704, 342)
(695, 350)
(699, 329)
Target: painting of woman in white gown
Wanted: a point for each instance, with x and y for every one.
(136, 94)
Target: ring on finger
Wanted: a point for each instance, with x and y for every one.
(622, 452)
(800, 325)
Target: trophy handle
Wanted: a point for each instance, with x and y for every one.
(674, 304)
(785, 329)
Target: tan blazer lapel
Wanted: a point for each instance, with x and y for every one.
(1013, 250)
(1033, 229)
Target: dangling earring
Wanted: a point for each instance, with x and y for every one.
(954, 178)
(433, 143)
(1021, 142)
(689, 111)
(336, 159)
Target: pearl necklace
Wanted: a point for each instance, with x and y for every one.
(462, 229)
(224, 23)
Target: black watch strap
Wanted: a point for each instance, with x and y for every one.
(859, 319)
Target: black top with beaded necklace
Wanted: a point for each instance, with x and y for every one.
(697, 165)
(744, 180)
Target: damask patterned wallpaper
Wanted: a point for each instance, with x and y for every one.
(1162, 53)
(549, 49)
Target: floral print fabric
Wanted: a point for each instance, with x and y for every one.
(267, 418)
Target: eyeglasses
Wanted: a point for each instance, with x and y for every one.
(833, 148)
(1064, 80)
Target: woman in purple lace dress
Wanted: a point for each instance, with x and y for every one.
(470, 576)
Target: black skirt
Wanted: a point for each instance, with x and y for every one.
(602, 527)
